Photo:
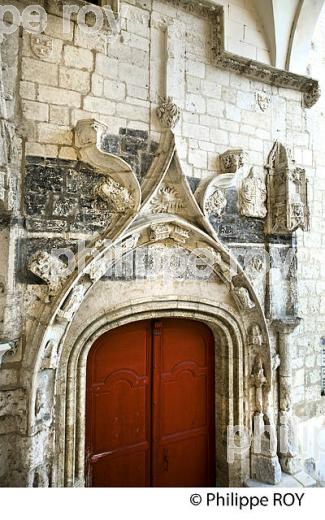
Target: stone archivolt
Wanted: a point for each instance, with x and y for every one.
(72, 303)
(139, 226)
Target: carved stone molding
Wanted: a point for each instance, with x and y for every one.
(48, 268)
(117, 196)
(167, 200)
(168, 113)
(252, 196)
(287, 188)
(244, 66)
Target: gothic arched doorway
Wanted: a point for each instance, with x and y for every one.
(150, 413)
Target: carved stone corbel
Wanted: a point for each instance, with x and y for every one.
(161, 232)
(232, 160)
(117, 196)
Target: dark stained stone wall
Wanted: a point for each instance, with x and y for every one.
(59, 194)
(135, 147)
(59, 197)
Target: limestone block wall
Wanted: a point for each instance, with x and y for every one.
(67, 76)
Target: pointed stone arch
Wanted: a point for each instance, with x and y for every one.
(57, 363)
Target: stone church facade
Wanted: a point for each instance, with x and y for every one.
(161, 168)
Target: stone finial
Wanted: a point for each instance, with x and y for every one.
(168, 112)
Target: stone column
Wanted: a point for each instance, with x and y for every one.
(288, 451)
(265, 465)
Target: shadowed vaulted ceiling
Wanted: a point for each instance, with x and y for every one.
(289, 26)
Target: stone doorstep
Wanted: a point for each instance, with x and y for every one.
(301, 479)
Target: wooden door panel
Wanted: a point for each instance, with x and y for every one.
(183, 462)
(183, 431)
(119, 407)
(150, 406)
(120, 414)
(126, 469)
(178, 411)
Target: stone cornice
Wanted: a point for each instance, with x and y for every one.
(286, 325)
(252, 69)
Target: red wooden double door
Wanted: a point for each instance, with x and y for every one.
(150, 406)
